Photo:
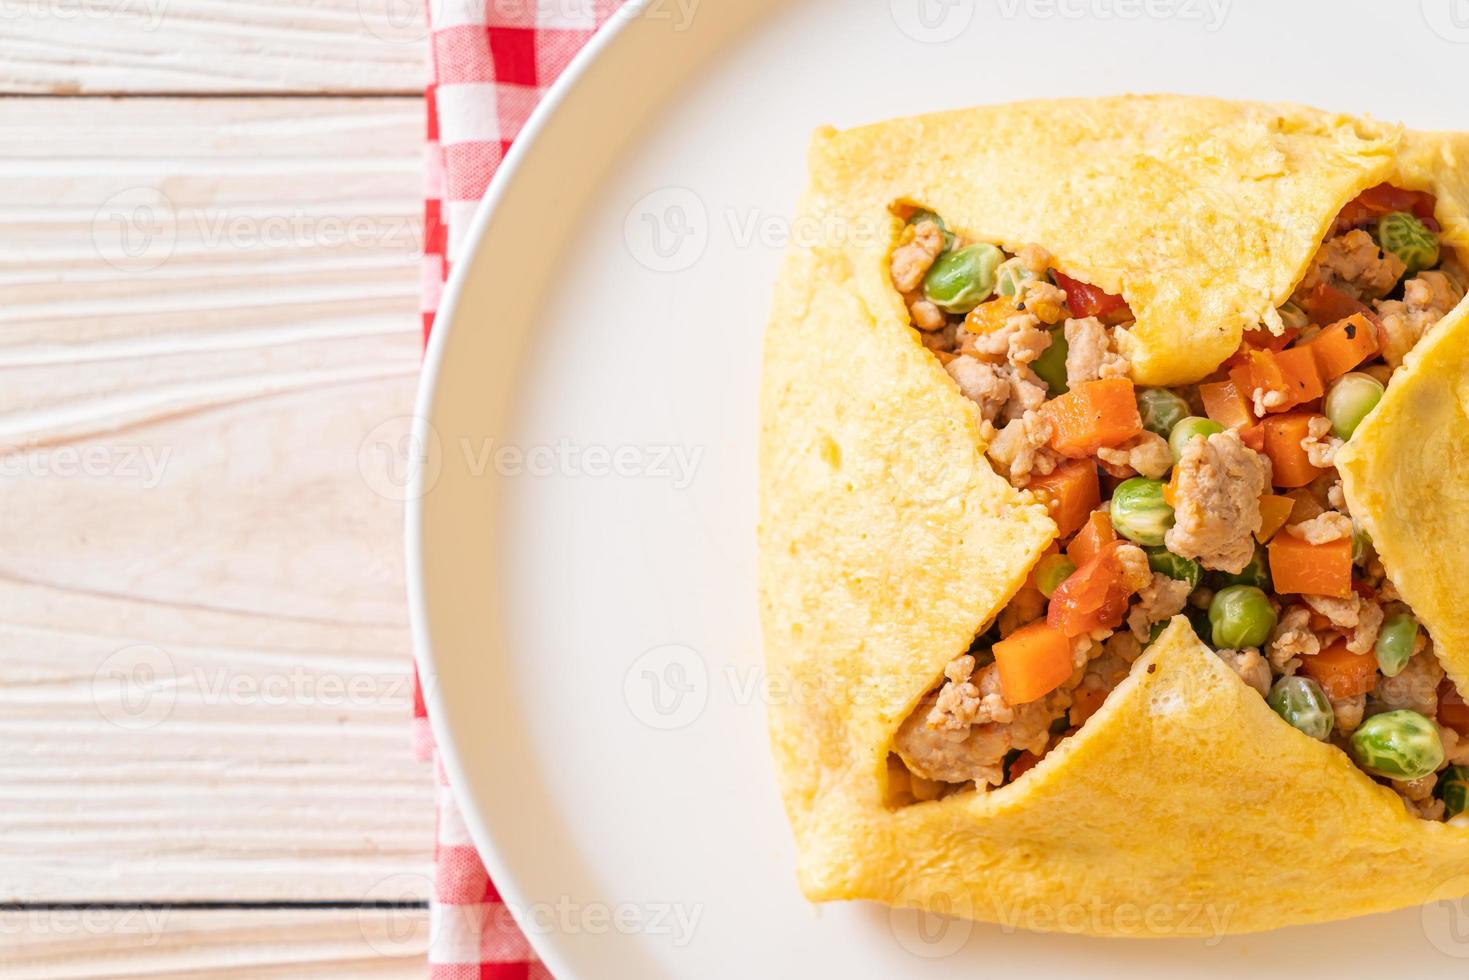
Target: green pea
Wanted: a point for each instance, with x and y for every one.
(1361, 542)
(1010, 275)
(1139, 512)
(1240, 616)
(1349, 401)
(1302, 703)
(1453, 789)
(1051, 365)
(1160, 409)
(1397, 745)
(1051, 571)
(1165, 562)
(1409, 239)
(1395, 643)
(959, 281)
(1186, 429)
(919, 217)
(1256, 573)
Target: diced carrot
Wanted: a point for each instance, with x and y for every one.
(1452, 710)
(1291, 374)
(1340, 672)
(1327, 304)
(1096, 531)
(1304, 506)
(1311, 569)
(1274, 512)
(1283, 437)
(991, 316)
(1093, 597)
(1070, 493)
(1032, 662)
(1302, 379)
(1226, 404)
(1257, 369)
(1085, 702)
(1253, 436)
(1092, 415)
(1343, 345)
(1263, 339)
(1170, 489)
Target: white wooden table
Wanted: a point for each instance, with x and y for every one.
(209, 235)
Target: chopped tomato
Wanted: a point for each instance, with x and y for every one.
(1084, 299)
(1093, 597)
(1326, 304)
(1262, 339)
(1384, 198)
(1095, 532)
(1452, 711)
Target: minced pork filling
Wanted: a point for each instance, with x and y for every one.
(1217, 500)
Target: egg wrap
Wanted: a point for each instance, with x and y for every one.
(1185, 805)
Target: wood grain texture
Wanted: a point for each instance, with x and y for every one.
(177, 944)
(104, 47)
(204, 655)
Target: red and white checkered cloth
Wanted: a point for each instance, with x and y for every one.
(492, 60)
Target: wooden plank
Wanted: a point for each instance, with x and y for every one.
(204, 656)
(50, 944)
(104, 47)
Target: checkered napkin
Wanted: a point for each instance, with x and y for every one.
(491, 62)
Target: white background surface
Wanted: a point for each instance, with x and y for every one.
(596, 637)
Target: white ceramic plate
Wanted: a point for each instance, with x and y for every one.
(582, 546)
